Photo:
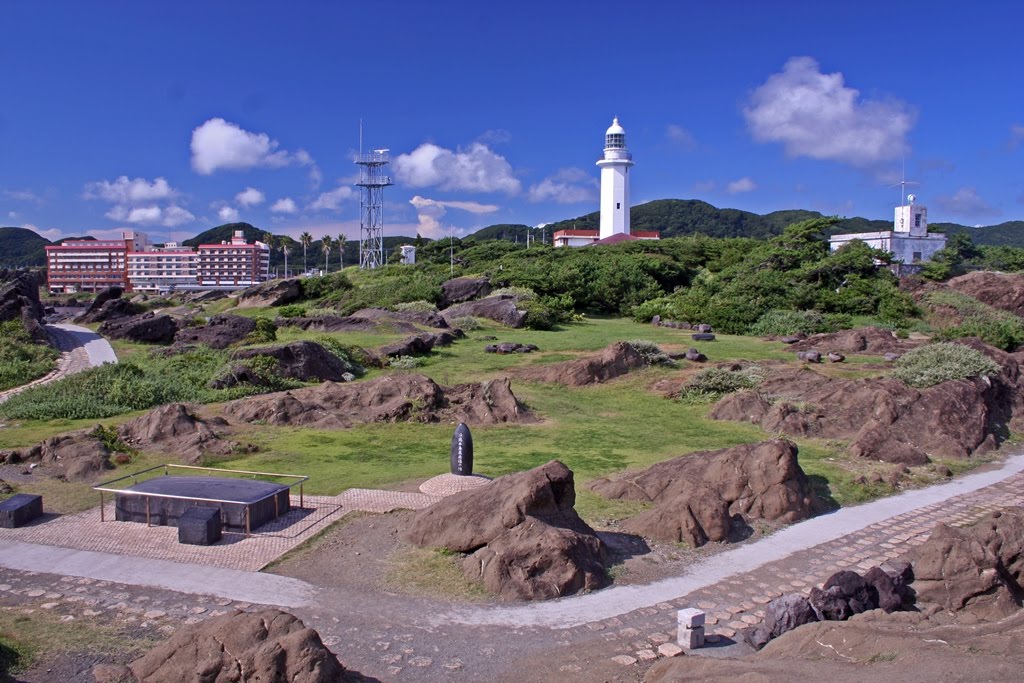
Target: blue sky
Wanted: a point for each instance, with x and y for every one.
(173, 117)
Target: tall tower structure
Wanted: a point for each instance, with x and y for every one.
(373, 179)
(615, 182)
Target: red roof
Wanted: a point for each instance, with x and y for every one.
(617, 238)
(647, 234)
(577, 233)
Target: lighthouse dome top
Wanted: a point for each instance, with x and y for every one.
(615, 136)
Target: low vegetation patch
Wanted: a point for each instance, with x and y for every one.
(782, 322)
(711, 384)
(1001, 329)
(942, 361)
(22, 359)
(651, 352)
(416, 306)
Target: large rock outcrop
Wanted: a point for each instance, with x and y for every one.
(148, 328)
(112, 309)
(714, 495)
(523, 532)
(239, 647)
(271, 293)
(503, 308)
(19, 300)
(614, 361)
(220, 332)
(979, 569)
(394, 398)
(883, 418)
(302, 360)
(76, 456)
(868, 341)
(174, 429)
(999, 290)
(463, 289)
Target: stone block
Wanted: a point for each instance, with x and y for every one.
(200, 526)
(691, 638)
(669, 650)
(691, 617)
(20, 509)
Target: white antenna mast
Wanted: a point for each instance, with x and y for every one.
(902, 184)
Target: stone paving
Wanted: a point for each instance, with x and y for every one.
(739, 601)
(74, 358)
(86, 531)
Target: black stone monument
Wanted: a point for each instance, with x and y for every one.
(462, 451)
(22, 508)
(200, 526)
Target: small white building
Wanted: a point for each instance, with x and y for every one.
(408, 254)
(909, 241)
(615, 165)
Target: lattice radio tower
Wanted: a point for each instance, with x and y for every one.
(373, 180)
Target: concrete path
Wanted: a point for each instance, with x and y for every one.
(606, 604)
(80, 348)
(137, 571)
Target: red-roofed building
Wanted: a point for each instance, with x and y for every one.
(585, 238)
(91, 265)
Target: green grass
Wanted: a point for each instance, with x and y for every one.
(21, 359)
(434, 574)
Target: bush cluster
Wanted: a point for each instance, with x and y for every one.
(405, 362)
(416, 306)
(711, 384)
(939, 362)
(21, 359)
(651, 352)
(993, 326)
(292, 311)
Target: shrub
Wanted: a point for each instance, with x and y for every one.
(544, 313)
(781, 322)
(651, 352)
(21, 359)
(467, 323)
(712, 383)
(417, 306)
(354, 358)
(405, 363)
(977, 319)
(292, 311)
(940, 362)
(109, 437)
(521, 293)
(326, 287)
(265, 332)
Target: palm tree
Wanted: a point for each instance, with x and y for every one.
(285, 249)
(341, 250)
(305, 239)
(326, 243)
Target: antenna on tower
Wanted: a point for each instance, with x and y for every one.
(902, 184)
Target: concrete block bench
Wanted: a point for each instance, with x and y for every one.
(20, 509)
(200, 526)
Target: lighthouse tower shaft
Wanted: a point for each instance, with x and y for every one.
(615, 167)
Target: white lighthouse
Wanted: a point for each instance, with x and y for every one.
(615, 182)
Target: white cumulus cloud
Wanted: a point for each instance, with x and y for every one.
(568, 186)
(284, 205)
(476, 168)
(430, 211)
(1016, 134)
(228, 214)
(742, 185)
(139, 201)
(250, 196)
(219, 144)
(679, 135)
(332, 199)
(816, 115)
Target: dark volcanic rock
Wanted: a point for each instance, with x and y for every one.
(102, 297)
(979, 569)
(271, 293)
(19, 300)
(148, 328)
(999, 290)
(883, 418)
(463, 289)
(268, 645)
(503, 308)
(394, 398)
(113, 309)
(864, 341)
(383, 315)
(701, 497)
(220, 332)
(302, 360)
(526, 539)
(787, 613)
(77, 456)
(174, 429)
(614, 361)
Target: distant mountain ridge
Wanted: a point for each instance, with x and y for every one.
(21, 247)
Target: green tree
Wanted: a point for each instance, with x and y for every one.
(305, 239)
(326, 244)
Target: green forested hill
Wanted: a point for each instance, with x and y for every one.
(21, 247)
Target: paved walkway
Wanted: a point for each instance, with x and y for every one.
(80, 348)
